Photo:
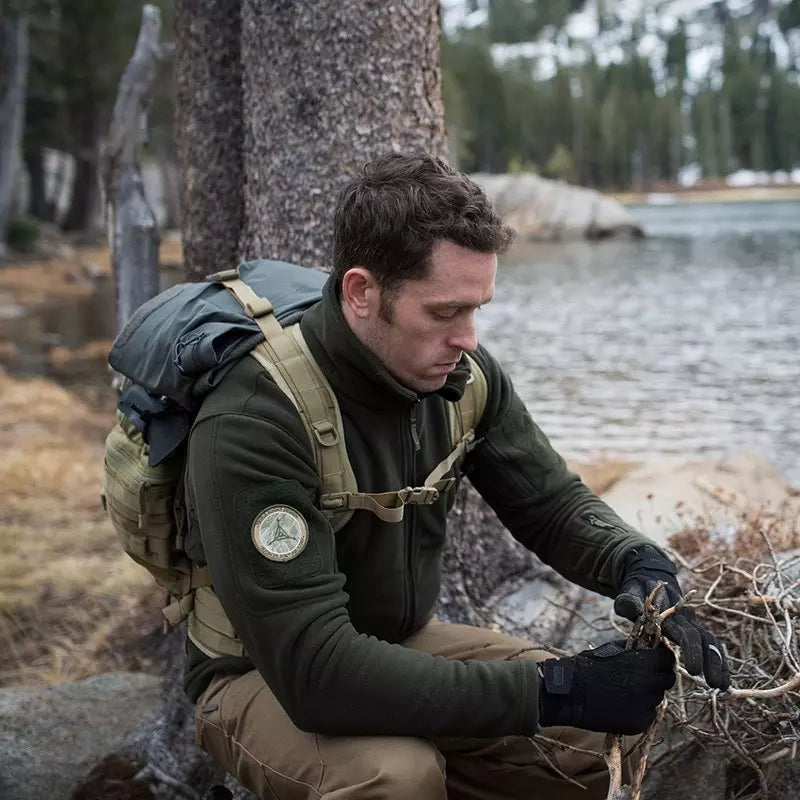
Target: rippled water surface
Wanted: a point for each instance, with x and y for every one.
(684, 344)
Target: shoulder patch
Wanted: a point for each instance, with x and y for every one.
(280, 533)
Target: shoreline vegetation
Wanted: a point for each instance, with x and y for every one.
(668, 195)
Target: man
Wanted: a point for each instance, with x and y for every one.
(345, 686)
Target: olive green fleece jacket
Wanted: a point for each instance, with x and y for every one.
(324, 628)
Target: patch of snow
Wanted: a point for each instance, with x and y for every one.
(748, 177)
(583, 24)
(661, 199)
(613, 55)
(689, 174)
(699, 61)
(650, 44)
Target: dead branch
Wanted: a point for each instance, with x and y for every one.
(750, 600)
(612, 754)
(647, 742)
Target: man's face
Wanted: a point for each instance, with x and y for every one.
(431, 321)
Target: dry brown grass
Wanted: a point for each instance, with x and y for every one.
(36, 280)
(65, 585)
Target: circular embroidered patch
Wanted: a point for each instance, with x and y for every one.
(280, 533)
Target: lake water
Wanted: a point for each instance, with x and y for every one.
(683, 345)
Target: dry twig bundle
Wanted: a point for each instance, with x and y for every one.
(747, 592)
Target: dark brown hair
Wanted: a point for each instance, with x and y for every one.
(388, 219)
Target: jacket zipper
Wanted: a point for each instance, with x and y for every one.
(409, 521)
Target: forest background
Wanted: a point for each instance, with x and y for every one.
(639, 95)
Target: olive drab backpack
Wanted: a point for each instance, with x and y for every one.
(174, 351)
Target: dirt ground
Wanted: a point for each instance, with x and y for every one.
(72, 604)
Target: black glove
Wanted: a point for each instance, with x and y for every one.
(610, 689)
(643, 568)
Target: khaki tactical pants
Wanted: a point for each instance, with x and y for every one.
(243, 727)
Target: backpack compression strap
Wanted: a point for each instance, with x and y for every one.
(285, 355)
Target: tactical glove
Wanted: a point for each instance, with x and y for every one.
(643, 568)
(610, 689)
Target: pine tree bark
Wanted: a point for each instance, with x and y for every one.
(208, 132)
(38, 204)
(327, 87)
(280, 103)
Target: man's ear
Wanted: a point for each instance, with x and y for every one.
(360, 292)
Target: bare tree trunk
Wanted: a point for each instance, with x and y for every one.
(209, 123)
(170, 182)
(13, 76)
(78, 217)
(38, 205)
(132, 228)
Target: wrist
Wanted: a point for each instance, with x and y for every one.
(647, 558)
(556, 677)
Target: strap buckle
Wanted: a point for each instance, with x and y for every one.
(418, 495)
(223, 275)
(326, 434)
(258, 307)
(334, 500)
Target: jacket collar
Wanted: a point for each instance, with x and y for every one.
(352, 369)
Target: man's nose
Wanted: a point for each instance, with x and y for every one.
(465, 337)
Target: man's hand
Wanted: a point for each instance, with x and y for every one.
(610, 689)
(644, 568)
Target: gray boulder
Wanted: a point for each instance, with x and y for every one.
(661, 499)
(50, 737)
(545, 210)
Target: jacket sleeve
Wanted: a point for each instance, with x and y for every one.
(248, 454)
(545, 506)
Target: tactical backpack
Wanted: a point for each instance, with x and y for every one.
(173, 352)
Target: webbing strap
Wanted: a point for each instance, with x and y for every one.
(388, 506)
(294, 369)
(443, 467)
(209, 627)
(199, 576)
(180, 608)
(256, 307)
(467, 412)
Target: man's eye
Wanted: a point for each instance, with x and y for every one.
(446, 314)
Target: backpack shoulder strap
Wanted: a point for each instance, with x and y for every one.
(290, 363)
(463, 418)
(285, 355)
(467, 412)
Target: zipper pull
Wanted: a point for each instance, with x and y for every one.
(414, 434)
